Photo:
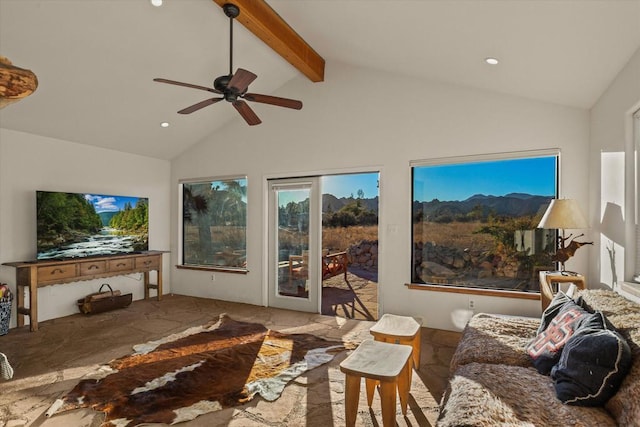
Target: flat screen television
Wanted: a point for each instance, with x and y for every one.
(72, 225)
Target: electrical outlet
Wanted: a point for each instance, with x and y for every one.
(213, 277)
(472, 304)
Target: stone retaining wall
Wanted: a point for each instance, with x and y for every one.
(364, 255)
(444, 260)
(435, 261)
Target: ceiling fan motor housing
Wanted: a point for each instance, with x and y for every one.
(221, 83)
(231, 10)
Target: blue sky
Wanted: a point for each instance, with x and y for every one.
(338, 185)
(534, 176)
(347, 185)
(104, 203)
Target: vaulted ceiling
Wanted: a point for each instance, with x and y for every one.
(95, 59)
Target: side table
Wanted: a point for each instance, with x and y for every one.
(549, 277)
(390, 364)
(396, 329)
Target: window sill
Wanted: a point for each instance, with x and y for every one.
(475, 291)
(235, 270)
(632, 288)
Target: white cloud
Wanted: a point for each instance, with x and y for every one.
(103, 204)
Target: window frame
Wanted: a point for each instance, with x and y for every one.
(633, 173)
(181, 229)
(551, 152)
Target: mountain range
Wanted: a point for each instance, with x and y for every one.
(106, 217)
(331, 203)
(512, 205)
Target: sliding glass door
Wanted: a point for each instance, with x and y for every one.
(294, 242)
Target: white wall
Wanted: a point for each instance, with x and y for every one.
(30, 162)
(361, 118)
(612, 178)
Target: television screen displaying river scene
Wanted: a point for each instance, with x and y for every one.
(71, 225)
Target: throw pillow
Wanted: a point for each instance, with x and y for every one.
(556, 304)
(593, 364)
(545, 349)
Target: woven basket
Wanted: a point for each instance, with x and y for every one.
(5, 316)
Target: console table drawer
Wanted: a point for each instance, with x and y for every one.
(120, 264)
(147, 262)
(56, 272)
(92, 267)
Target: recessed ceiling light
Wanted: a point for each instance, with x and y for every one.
(164, 124)
(156, 3)
(491, 61)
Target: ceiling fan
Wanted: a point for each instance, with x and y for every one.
(233, 87)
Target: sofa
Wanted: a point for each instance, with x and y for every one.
(493, 380)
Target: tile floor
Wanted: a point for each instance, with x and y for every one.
(49, 362)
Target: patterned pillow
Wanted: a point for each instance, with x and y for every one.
(545, 349)
(556, 304)
(593, 363)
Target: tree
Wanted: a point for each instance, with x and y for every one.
(477, 213)
(60, 213)
(196, 209)
(132, 219)
(230, 207)
(292, 210)
(352, 213)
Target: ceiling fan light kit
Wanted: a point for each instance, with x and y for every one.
(233, 87)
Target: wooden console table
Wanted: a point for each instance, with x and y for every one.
(37, 274)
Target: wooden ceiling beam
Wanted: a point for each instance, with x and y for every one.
(259, 18)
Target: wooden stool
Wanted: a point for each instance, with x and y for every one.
(377, 361)
(399, 330)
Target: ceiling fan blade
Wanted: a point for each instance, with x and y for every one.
(241, 80)
(199, 105)
(173, 82)
(247, 113)
(274, 100)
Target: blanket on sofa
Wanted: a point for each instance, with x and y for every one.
(483, 394)
(493, 381)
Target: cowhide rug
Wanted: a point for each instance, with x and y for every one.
(203, 369)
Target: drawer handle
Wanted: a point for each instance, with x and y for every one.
(148, 262)
(121, 264)
(94, 267)
(57, 271)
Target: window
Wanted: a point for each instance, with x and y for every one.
(635, 153)
(474, 220)
(214, 219)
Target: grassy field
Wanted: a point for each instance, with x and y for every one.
(454, 235)
(340, 238)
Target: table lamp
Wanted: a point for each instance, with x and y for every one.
(562, 214)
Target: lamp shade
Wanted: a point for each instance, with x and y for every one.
(563, 213)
